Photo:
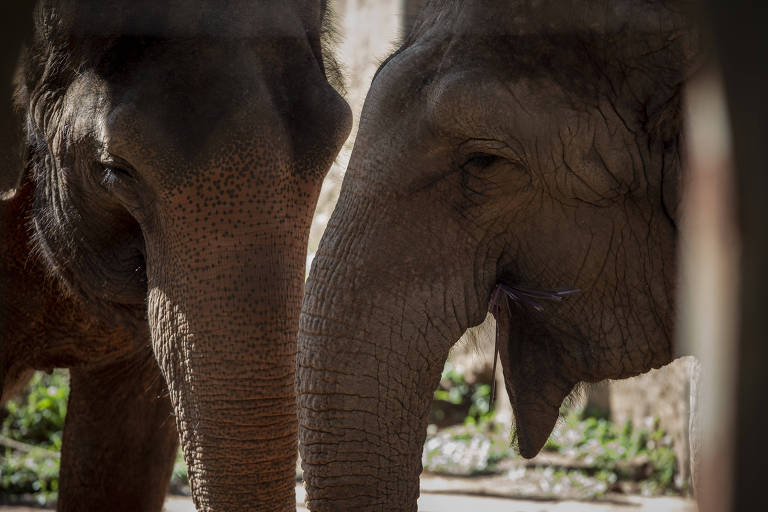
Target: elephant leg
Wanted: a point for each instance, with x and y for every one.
(120, 438)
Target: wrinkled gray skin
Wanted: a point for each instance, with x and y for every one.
(174, 155)
(530, 143)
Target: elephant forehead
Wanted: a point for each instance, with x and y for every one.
(174, 19)
(167, 85)
(520, 17)
(181, 136)
(483, 104)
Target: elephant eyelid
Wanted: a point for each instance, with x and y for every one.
(478, 154)
(110, 175)
(481, 160)
(113, 169)
(117, 179)
(477, 164)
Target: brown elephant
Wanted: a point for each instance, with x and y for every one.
(534, 144)
(156, 242)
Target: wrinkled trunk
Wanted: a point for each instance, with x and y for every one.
(223, 310)
(363, 397)
(376, 326)
(378, 402)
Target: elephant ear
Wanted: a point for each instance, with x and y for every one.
(535, 386)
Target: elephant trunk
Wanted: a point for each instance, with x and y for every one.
(223, 313)
(365, 378)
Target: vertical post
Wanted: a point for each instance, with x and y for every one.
(742, 45)
(709, 290)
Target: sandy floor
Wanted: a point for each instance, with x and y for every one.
(442, 502)
(459, 503)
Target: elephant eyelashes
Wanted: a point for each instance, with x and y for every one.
(117, 180)
(119, 183)
(113, 174)
(110, 177)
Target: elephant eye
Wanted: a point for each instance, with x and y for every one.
(477, 162)
(111, 175)
(118, 181)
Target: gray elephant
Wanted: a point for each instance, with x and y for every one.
(156, 241)
(530, 144)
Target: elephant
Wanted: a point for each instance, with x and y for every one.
(508, 153)
(155, 242)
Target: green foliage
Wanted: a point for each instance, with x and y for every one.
(456, 391)
(623, 453)
(595, 456)
(35, 474)
(605, 456)
(179, 477)
(36, 420)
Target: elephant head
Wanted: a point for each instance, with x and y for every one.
(175, 151)
(535, 144)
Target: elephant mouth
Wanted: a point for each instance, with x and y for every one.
(535, 385)
(531, 297)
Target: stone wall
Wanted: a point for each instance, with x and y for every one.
(664, 394)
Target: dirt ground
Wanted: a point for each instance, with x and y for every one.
(441, 495)
(462, 503)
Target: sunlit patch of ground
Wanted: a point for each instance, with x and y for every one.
(454, 502)
(460, 503)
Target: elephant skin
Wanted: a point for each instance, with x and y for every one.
(535, 144)
(156, 242)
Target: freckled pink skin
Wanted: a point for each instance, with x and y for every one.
(157, 244)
